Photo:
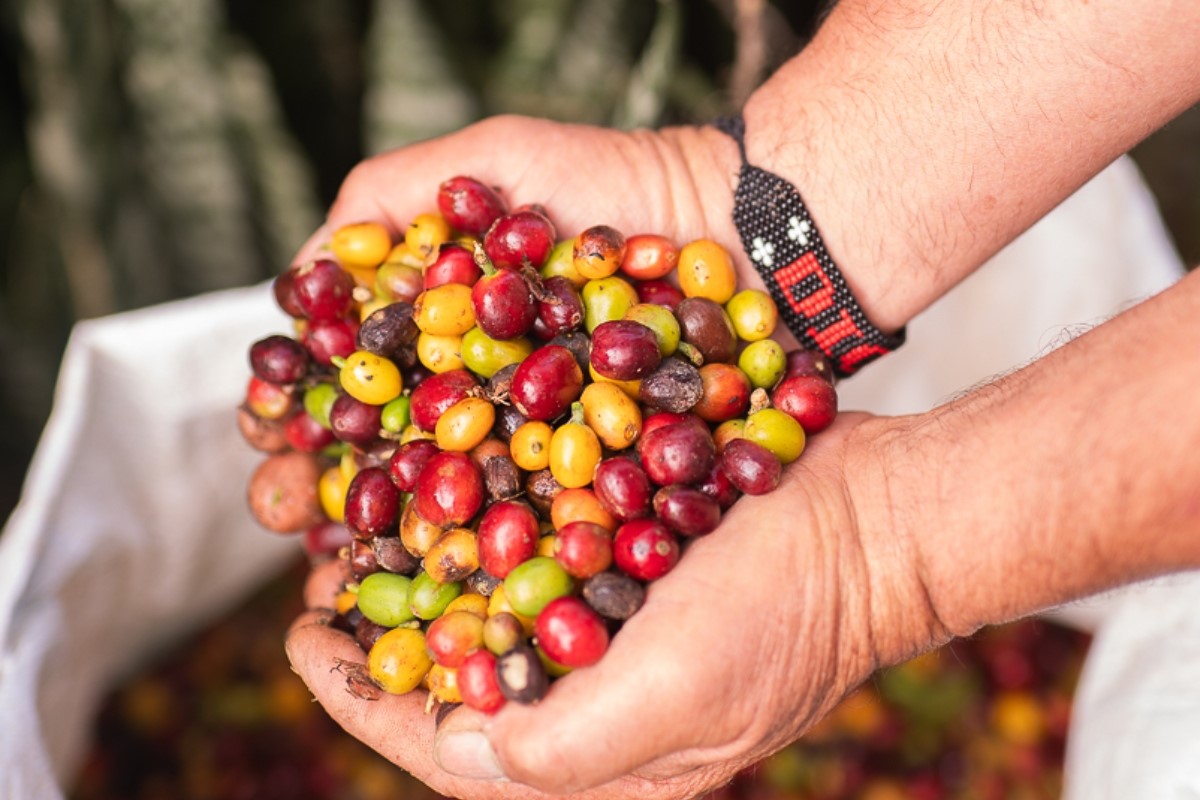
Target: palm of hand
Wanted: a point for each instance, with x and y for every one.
(764, 625)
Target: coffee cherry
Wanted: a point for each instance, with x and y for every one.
(416, 534)
(606, 299)
(465, 424)
(478, 684)
(519, 238)
(361, 245)
(305, 434)
(327, 339)
(570, 633)
(428, 598)
(521, 676)
(398, 661)
(660, 320)
(706, 270)
(372, 504)
(574, 451)
(449, 490)
(777, 432)
(678, 453)
(753, 314)
(279, 360)
(408, 461)
(284, 290)
(391, 555)
(599, 251)
(269, 401)
(645, 549)
(324, 290)
(502, 632)
(445, 310)
(624, 350)
(687, 511)
(530, 445)
(436, 394)
(504, 304)
(809, 362)
(485, 356)
(726, 393)
(580, 505)
(614, 595)
(389, 330)
(623, 488)
(583, 549)
(508, 534)
(453, 264)
(399, 282)
(440, 353)
(659, 293)
(610, 412)
(546, 383)
(383, 598)
(468, 205)
(750, 467)
(354, 421)
(809, 399)
(425, 234)
(674, 386)
(534, 583)
(370, 378)
(560, 309)
(453, 557)
(706, 326)
(649, 257)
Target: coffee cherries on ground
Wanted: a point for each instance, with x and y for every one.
(506, 434)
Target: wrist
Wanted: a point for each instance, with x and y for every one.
(883, 489)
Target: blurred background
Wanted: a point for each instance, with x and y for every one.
(156, 149)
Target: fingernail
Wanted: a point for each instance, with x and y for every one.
(468, 754)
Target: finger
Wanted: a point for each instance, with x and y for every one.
(396, 726)
(324, 584)
(617, 716)
(393, 187)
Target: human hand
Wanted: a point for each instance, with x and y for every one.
(676, 182)
(760, 630)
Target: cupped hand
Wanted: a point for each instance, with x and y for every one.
(764, 625)
(676, 182)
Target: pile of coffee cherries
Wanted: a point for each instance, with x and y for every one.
(505, 436)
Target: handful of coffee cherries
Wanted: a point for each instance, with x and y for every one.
(505, 436)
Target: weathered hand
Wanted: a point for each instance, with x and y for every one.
(758, 632)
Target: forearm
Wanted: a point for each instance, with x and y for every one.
(924, 136)
(1076, 474)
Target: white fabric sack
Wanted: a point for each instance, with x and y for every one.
(133, 528)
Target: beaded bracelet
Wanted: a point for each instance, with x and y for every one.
(781, 239)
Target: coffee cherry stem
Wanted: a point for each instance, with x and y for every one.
(691, 353)
(577, 416)
(482, 261)
(759, 399)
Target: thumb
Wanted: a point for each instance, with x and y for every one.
(653, 695)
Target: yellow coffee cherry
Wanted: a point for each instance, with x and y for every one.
(370, 378)
(753, 314)
(574, 451)
(399, 661)
(445, 310)
(612, 414)
(331, 490)
(465, 424)
(530, 445)
(426, 234)
(361, 245)
(440, 353)
(706, 270)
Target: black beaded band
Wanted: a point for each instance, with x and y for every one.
(782, 242)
